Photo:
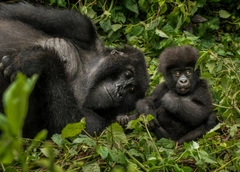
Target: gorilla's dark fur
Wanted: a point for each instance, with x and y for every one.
(182, 104)
(78, 76)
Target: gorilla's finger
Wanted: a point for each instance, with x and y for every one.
(5, 60)
(8, 72)
(13, 76)
(1, 67)
(122, 119)
(3, 63)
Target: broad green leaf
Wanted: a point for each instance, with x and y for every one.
(136, 30)
(73, 129)
(57, 138)
(195, 145)
(144, 5)
(105, 25)
(15, 101)
(116, 134)
(224, 14)
(3, 123)
(131, 5)
(136, 153)
(161, 33)
(91, 167)
(117, 156)
(116, 27)
(52, 2)
(165, 143)
(201, 3)
(85, 140)
(102, 151)
(120, 17)
(61, 3)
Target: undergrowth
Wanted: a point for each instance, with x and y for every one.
(150, 26)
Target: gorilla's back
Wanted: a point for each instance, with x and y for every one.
(22, 36)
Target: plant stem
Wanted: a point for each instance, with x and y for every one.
(136, 161)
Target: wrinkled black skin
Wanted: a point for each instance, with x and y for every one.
(181, 115)
(78, 76)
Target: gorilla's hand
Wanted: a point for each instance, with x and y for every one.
(171, 101)
(145, 106)
(6, 67)
(122, 119)
(34, 60)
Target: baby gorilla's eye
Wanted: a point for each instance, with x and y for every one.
(188, 72)
(177, 73)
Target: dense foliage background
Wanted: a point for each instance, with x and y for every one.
(212, 26)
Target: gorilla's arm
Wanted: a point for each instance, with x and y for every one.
(51, 89)
(58, 23)
(146, 106)
(194, 108)
(199, 131)
(151, 103)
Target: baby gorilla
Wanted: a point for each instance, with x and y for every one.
(182, 104)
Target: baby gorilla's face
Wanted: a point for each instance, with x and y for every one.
(182, 79)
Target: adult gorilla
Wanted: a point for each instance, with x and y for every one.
(182, 104)
(78, 76)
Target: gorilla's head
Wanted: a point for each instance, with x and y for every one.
(118, 82)
(177, 65)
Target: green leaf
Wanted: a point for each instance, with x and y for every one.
(144, 5)
(116, 27)
(106, 25)
(3, 123)
(136, 153)
(135, 30)
(16, 102)
(73, 129)
(102, 151)
(224, 14)
(116, 134)
(131, 5)
(91, 167)
(52, 2)
(161, 33)
(85, 140)
(61, 3)
(57, 138)
(117, 156)
(120, 17)
(195, 145)
(165, 143)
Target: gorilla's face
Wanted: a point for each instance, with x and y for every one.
(112, 91)
(182, 80)
(118, 82)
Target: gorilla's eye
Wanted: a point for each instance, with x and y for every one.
(188, 72)
(128, 74)
(177, 73)
(132, 88)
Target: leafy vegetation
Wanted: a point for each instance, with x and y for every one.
(150, 26)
